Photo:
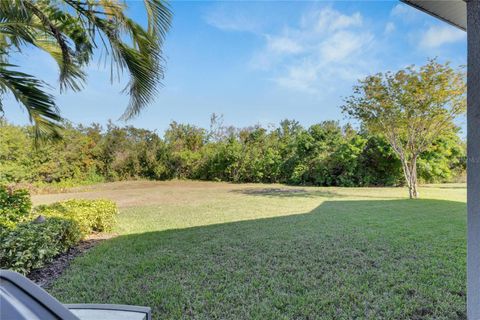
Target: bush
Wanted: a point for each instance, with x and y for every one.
(30, 245)
(15, 206)
(289, 153)
(91, 215)
(25, 246)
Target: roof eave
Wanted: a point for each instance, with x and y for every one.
(425, 7)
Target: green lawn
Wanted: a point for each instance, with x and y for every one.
(221, 251)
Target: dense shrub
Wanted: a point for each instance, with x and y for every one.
(324, 154)
(15, 206)
(26, 245)
(31, 245)
(90, 215)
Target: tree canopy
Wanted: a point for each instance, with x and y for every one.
(72, 32)
(411, 108)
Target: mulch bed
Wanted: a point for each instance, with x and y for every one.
(46, 275)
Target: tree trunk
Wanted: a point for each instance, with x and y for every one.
(414, 182)
(410, 173)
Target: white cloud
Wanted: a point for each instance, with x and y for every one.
(437, 36)
(277, 47)
(325, 48)
(389, 28)
(300, 77)
(400, 9)
(283, 44)
(405, 12)
(328, 20)
(343, 44)
(228, 19)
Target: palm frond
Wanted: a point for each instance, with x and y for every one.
(70, 34)
(140, 54)
(29, 92)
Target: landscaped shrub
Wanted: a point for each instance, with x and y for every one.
(15, 206)
(31, 245)
(91, 215)
(25, 246)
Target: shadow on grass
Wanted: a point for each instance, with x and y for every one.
(448, 186)
(395, 259)
(308, 192)
(288, 192)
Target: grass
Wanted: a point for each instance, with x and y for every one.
(222, 251)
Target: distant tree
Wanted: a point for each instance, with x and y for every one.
(444, 159)
(378, 164)
(184, 142)
(71, 31)
(216, 131)
(410, 108)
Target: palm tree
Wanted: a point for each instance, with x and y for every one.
(71, 32)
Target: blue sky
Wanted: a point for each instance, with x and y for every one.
(261, 62)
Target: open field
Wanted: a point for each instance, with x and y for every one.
(223, 251)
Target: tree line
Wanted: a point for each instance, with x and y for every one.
(324, 154)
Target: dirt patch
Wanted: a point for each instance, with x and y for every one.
(46, 275)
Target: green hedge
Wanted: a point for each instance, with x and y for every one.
(15, 206)
(91, 215)
(26, 245)
(30, 245)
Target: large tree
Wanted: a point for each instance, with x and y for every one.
(71, 32)
(410, 108)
